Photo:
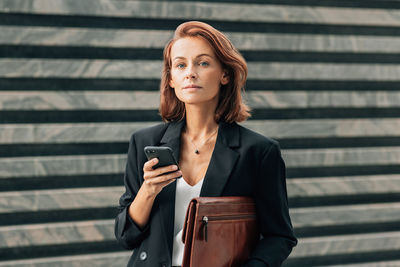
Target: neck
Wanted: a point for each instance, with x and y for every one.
(200, 121)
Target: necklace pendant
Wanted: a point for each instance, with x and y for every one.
(197, 151)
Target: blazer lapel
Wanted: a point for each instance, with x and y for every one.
(222, 161)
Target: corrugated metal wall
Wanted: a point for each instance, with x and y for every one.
(78, 77)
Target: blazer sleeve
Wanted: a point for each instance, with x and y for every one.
(272, 212)
(127, 232)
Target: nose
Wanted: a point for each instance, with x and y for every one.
(191, 73)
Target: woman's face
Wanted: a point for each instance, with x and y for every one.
(196, 73)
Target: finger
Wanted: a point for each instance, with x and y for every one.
(168, 182)
(159, 171)
(163, 178)
(165, 183)
(148, 166)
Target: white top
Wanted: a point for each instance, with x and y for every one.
(184, 193)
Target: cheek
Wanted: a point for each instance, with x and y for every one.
(174, 79)
(215, 78)
(213, 74)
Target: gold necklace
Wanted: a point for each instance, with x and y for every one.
(197, 151)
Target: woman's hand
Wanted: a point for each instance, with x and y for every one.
(156, 179)
(154, 182)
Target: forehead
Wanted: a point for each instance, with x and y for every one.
(191, 47)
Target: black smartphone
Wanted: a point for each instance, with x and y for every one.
(164, 155)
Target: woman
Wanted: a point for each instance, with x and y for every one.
(201, 84)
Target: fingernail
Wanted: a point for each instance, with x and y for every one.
(174, 167)
(155, 160)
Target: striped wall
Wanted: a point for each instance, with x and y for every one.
(78, 77)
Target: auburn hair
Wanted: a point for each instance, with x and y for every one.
(230, 106)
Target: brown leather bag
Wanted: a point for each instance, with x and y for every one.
(219, 231)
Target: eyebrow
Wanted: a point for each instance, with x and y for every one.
(201, 55)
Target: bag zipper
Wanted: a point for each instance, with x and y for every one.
(206, 219)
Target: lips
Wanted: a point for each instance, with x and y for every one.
(191, 86)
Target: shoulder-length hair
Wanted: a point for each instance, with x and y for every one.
(230, 106)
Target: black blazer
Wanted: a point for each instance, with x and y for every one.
(243, 163)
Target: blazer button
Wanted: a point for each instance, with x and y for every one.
(143, 256)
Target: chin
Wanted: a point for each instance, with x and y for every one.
(197, 99)
(191, 99)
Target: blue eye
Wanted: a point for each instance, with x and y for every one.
(204, 63)
(180, 65)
